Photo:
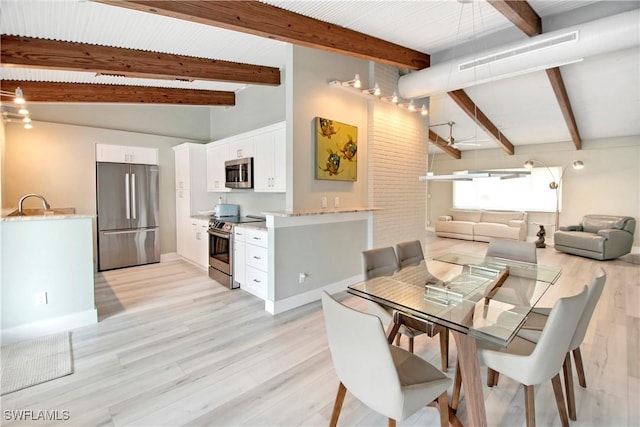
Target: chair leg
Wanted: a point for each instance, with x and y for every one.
(457, 385)
(443, 408)
(398, 339)
(444, 349)
(392, 422)
(337, 406)
(529, 405)
(492, 377)
(562, 409)
(568, 386)
(410, 344)
(577, 358)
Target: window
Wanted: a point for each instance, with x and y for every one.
(531, 193)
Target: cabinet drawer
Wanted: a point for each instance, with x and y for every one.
(256, 256)
(257, 237)
(256, 282)
(239, 234)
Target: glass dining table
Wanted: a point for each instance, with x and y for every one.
(477, 298)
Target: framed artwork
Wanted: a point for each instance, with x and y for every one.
(336, 150)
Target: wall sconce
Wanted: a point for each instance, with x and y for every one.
(356, 83)
(555, 185)
(17, 112)
(376, 93)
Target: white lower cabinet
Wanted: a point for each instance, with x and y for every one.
(239, 263)
(254, 275)
(200, 233)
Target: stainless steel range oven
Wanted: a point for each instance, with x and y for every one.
(221, 252)
(221, 247)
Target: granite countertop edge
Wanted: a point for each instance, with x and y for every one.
(318, 212)
(44, 217)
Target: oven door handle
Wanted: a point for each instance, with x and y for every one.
(221, 235)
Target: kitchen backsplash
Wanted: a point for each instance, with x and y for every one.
(252, 203)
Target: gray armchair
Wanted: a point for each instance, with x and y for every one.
(597, 236)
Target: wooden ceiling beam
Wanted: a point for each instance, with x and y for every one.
(441, 143)
(102, 93)
(260, 19)
(557, 84)
(523, 16)
(461, 98)
(60, 55)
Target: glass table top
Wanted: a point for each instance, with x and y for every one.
(488, 298)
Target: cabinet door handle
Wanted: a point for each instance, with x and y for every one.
(256, 257)
(257, 238)
(256, 280)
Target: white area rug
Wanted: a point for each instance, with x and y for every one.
(28, 363)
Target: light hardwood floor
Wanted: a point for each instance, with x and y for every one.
(175, 348)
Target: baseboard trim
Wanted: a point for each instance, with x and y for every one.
(275, 307)
(49, 326)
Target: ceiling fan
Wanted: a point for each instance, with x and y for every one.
(452, 142)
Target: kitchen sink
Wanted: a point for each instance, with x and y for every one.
(44, 212)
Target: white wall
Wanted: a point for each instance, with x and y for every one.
(58, 161)
(311, 97)
(608, 184)
(178, 121)
(256, 106)
(397, 156)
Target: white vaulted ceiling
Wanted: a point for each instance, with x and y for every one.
(604, 90)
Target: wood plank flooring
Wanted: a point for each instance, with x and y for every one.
(174, 348)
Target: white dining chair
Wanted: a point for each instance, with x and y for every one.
(537, 320)
(512, 249)
(515, 290)
(383, 262)
(534, 363)
(386, 378)
(410, 253)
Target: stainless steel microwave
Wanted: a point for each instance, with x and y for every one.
(239, 173)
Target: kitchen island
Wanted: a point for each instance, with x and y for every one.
(47, 274)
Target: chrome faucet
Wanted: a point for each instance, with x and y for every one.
(45, 205)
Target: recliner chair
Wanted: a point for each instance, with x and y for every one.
(599, 237)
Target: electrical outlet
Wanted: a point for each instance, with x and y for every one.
(324, 201)
(302, 277)
(336, 202)
(41, 298)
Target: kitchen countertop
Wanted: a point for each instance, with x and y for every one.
(318, 211)
(37, 215)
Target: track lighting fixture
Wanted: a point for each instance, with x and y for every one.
(18, 111)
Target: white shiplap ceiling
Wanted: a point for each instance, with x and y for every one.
(604, 91)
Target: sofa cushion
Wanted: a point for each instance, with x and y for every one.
(579, 239)
(500, 217)
(595, 223)
(456, 227)
(462, 215)
(484, 231)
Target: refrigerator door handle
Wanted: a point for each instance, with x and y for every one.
(133, 195)
(137, 230)
(127, 207)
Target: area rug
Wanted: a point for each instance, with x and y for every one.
(28, 363)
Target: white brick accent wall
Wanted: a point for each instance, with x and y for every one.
(397, 156)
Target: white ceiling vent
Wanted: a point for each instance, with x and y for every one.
(554, 49)
(521, 50)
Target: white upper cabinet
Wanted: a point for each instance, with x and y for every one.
(266, 145)
(126, 154)
(217, 154)
(190, 166)
(241, 147)
(270, 172)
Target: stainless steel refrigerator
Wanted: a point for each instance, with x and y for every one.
(127, 199)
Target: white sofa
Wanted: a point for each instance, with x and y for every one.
(481, 225)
